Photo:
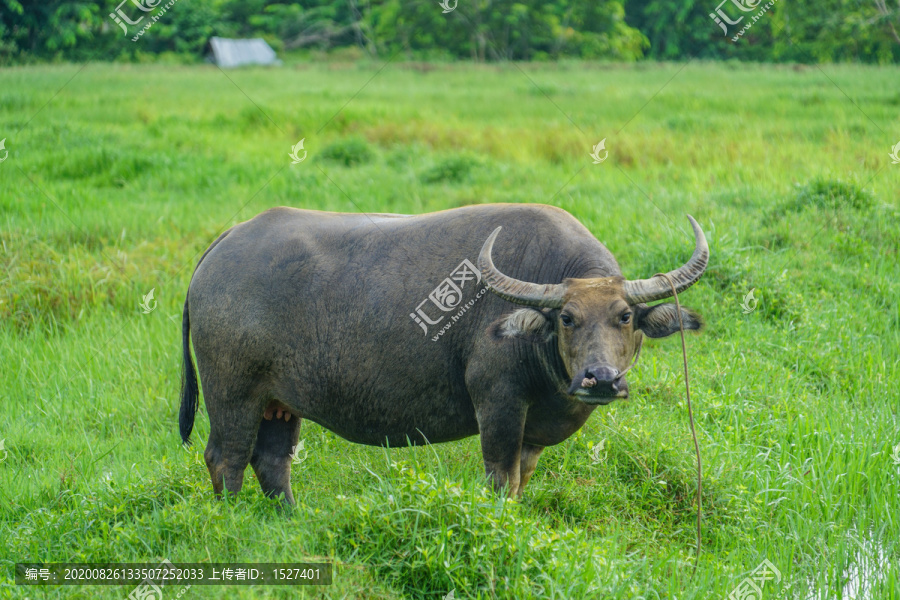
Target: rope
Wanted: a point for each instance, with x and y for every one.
(687, 390)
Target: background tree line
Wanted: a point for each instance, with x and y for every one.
(481, 30)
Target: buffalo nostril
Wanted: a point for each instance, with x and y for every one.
(602, 377)
(620, 385)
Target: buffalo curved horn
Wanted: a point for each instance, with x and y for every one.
(657, 288)
(544, 295)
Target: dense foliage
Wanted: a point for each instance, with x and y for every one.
(482, 30)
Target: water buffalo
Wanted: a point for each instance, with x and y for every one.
(380, 328)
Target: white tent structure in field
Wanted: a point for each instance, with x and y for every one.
(229, 53)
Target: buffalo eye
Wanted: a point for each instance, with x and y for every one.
(626, 318)
(566, 320)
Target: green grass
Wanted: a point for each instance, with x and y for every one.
(129, 172)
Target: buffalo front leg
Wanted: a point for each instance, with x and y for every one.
(273, 453)
(501, 447)
(530, 455)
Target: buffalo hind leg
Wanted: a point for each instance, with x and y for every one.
(530, 456)
(232, 433)
(272, 455)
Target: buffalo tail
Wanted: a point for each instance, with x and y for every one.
(189, 391)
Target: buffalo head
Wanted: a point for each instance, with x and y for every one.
(598, 323)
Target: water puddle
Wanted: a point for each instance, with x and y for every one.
(863, 576)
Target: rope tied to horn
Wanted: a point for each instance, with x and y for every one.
(687, 391)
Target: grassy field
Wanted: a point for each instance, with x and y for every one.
(118, 177)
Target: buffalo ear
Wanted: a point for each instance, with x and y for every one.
(525, 323)
(662, 320)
